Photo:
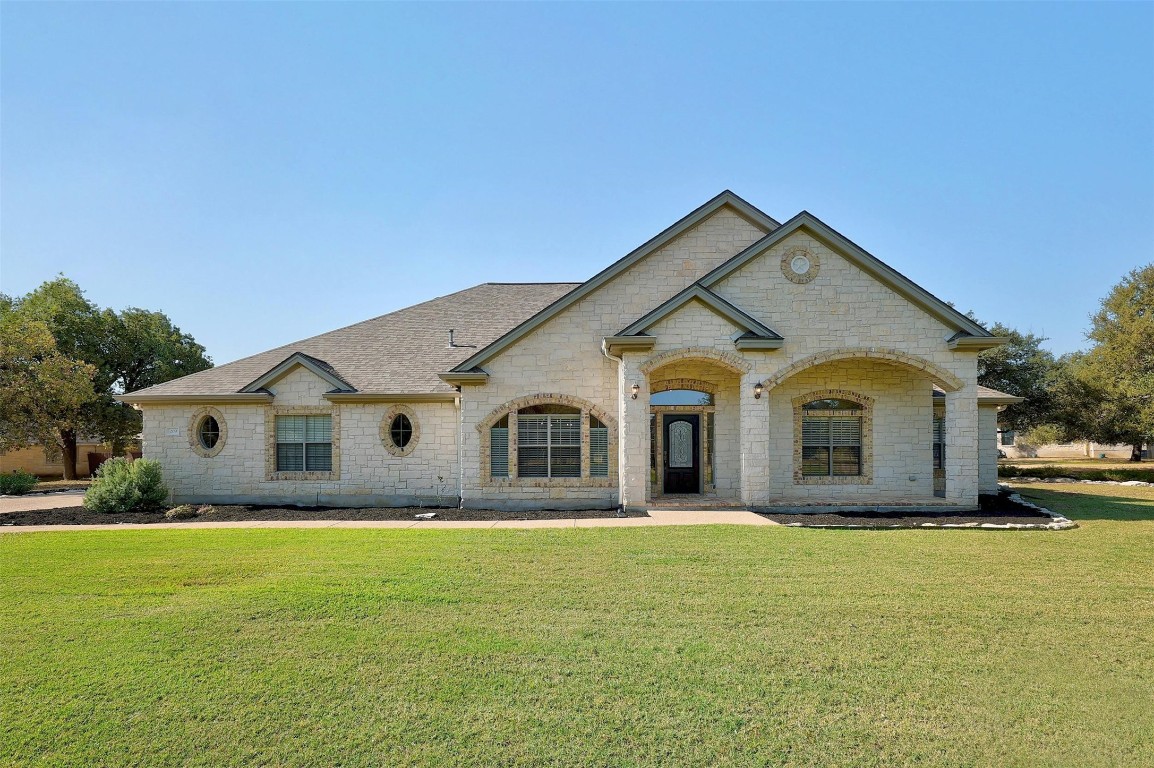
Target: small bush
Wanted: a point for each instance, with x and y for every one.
(183, 512)
(127, 486)
(17, 482)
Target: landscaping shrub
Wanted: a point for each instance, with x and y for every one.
(183, 512)
(127, 486)
(17, 482)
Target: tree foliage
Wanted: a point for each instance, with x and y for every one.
(1020, 368)
(123, 351)
(1107, 394)
(42, 392)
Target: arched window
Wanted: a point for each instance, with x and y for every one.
(681, 397)
(831, 438)
(544, 438)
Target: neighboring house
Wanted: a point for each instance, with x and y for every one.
(36, 460)
(730, 356)
(1010, 444)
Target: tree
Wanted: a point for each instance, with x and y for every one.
(1117, 374)
(127, 351)
(1020, 368)
(43, 393)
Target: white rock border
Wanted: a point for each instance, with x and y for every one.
(1057, 522)
(1006, 481)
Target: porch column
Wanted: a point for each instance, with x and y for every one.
(962, 445)
(633, 434)
(754, 441)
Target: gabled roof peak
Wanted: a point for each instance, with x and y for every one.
(313, 364)
(858, 256)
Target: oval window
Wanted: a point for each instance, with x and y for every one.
(401, 430)
(208, 432)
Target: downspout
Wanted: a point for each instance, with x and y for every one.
(460, 450)
(620, 494)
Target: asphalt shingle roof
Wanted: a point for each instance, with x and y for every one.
(398, 353)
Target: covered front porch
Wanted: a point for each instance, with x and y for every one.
(852, 431)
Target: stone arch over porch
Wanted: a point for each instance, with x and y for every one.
(727, 360)
(697, 385)
(938, 375)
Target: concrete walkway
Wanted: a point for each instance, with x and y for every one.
(41, 501)
(657, 517)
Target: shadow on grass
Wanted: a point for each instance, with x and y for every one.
(1086, 506)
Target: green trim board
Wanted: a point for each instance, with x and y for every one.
(977, 342)
(857, 256)
(386, 397)
(464, 378)
(615, 344)
(726, 199)
(314, 365)
(235, 398)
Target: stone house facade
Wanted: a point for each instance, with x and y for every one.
(731, 357)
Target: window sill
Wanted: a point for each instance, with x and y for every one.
(303, 476)
(827, 480)
(551, 482)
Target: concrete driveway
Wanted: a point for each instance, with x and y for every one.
(41, 501)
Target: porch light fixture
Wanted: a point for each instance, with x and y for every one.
(636, 389)
(757, 390)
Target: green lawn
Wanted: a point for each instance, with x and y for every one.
(717, 645)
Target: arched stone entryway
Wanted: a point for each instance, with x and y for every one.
(694, 423)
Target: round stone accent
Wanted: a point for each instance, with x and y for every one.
(207, 432)
(397, 437)
(800, 265)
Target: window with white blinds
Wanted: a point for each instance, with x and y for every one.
(549, 445)
(304, 444)
(831, 440)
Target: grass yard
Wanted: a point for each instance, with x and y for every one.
(687, 646)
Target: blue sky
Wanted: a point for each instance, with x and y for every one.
(266, 172)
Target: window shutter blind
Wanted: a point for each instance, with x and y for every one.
(499, 452)
(599, 452)
(846, 430)
(815, 431)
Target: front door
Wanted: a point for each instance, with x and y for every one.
(682, 452)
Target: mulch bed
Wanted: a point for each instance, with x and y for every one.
(994, 510)
(239, 513)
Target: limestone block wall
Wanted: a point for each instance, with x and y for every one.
(902, 432)
(369, 474)
(564, 355)
(842, 307)
(988, 449)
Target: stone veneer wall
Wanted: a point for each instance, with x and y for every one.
(988, 449)
(369, 473)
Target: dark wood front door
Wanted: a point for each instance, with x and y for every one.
(682, 440)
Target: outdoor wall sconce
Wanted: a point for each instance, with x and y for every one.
(635, 390)
(757, 390)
